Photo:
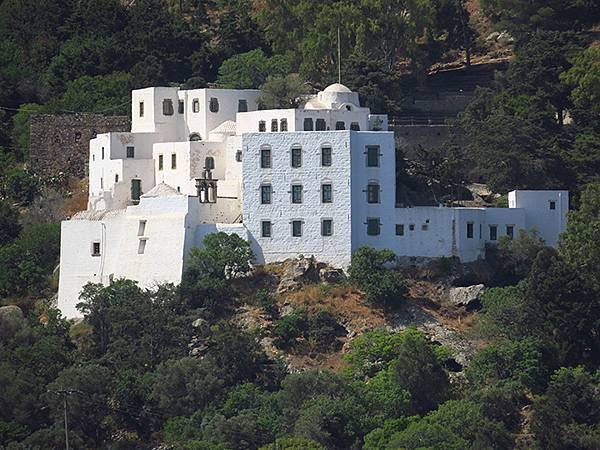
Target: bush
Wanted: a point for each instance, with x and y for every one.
(9, 223)
(369, 270)
(289, 328)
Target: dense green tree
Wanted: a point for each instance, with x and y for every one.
(9, 223)
(282, 92)
(250, 70)
(503, 315)
(293, 443)
(584, 80)
(370, 271)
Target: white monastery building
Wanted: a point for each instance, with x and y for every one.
(318, 180)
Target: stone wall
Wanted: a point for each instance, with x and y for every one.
(60, 143)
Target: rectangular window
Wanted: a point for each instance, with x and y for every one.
(160, 162)
(141, 228)
(101, 183)
(320, 125)
(262, 126)
(424, 227)
(116, 177)
(373, 226)
(354, 126)
(167, 107)
(95, 248)
(326, 193)
(283, 126)
(372, 193)
(265, 158)
(552, 204)
(493, 232)
(296, 157)
(265, 194)
(296, 228)
(372, 156)
(326, 156)
(340, 125)
(470, 230)
(174, 161)
(238, 156)
(266, 229)
(274, 126)
(399, 229)
(411, 227)
(296, 193)
(308, 124)
(242, 105)
(181, 107)
(102, 152)
(142, 247)
(213, 105)
(196, 105)
(326, 227)
(141, 109)
(510, 231)
(131, 152)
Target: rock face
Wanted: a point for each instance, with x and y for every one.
(465, 296)
(298, 271)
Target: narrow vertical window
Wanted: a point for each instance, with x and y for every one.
(95, 248)
(296, 193)
(265, 158)
(510, 231)
(296, 157)
(141, 228)
(372, 156)
(238, 156)
(141, 110)
(326, 193)
(493, 232)
(101, 183)
(181, 107)
(274, 125)
(196, 105)
(142, 247)
(373, 226)
(325, 156)
(326, 227)
(308, 124)
(167, 107)
(262, 126)
(552, 204)
(174, 161)
(470, 230)
(399, 229)
(265, 194)
(320, 125)
(160, 162)
(373, 193)
(102, 152)
(213, 105)
(266, 228)
(130, 152)
(283, 125)
(296, 228)
(242, 105)
(116, 177)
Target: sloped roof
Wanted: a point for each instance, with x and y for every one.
(227, 127)
(162, 190)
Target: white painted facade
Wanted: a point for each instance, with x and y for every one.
(318, 180)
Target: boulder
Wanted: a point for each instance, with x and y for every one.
(331, 275)
(465, 296)
(505, 38)
(296, 271)
(10, 310)
(492, 36)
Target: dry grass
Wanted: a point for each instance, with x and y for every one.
(78, 199)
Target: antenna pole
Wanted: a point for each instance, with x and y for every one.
(339, 58)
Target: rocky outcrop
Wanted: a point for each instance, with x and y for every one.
(466, 297)
(10, 311)
(302, 270)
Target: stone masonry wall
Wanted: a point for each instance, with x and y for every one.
(60, 143)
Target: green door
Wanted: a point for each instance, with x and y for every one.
(136, 190)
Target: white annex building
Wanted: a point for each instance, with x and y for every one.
(318, 180)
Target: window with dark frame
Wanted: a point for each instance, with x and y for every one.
(373, 226)
(238, 156)
(265, 158)
(196, 105)
(399, 229)
(181, 107)
(510, 231)
(95, 248)
(173, 160)
(262, 126)
(274, 127)
(283, 125)
(160, 162)
(373, 193)
(266, 228)
(296, 157)
(296, 228)
(265, 194)
(326, 227)
(354, 126)
(340, 125)
(493, 232)
(320, 125)
(326, 193)
(326, 156)
(552, 204)
(296, 193)
(167, 107)
(470, 230)
(372, 156)
(141, 109)
(242, 105)
(213, 105)
(308, 124)
(130, 152)
(411, 227)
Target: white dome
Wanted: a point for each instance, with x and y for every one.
(162, 190)
(337, 87)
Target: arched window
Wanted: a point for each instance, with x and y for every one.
(283, 125)
(274, 125)
(194, 137)
(168, 107)
(209, 163)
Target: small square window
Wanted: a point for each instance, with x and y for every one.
(470, 230)
(510, 231)
(196, 105)
(174, 161)
(308, 124)
(373, 156)
(266, 229)
(552, 204)
(411, 227)
(399, 229)
(424, 227)
(181, 107)
(354, 126)
(320, 125)
(296, 157)
(213, 105)
(274, 126)
(141, 228)
(296, 228)
(265, 158)
(493, 232)
(297, 193)
(130, 152)
(141, 109)
(167, 107)
(283, 125)
(242, 105)
(142, 247)
(262, 126)
(373, 226)
(327, 227)
(326, 193)
(326, 156)
(95, 248)
(340, 125)
(265, 194)
(160, 162)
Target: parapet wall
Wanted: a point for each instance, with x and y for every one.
(60, 143)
